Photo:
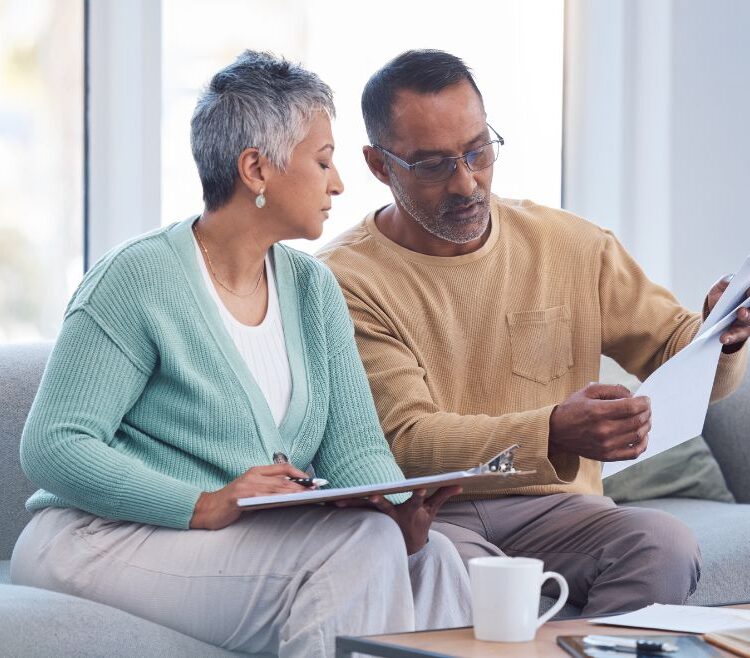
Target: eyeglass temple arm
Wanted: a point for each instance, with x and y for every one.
(403, 163)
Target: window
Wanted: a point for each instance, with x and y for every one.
(41, 163)
(515, 48)
(173, 47)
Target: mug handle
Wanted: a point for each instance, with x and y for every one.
(560, 600)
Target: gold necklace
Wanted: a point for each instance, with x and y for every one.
(197, 234)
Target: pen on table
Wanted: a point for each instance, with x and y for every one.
(626, 644)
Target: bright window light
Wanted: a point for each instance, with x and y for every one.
(41, 164)
(515, 48)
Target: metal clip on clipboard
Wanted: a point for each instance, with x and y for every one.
(501, 463)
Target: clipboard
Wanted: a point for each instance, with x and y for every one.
(498, 472)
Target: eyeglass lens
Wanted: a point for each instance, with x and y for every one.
(441, 168)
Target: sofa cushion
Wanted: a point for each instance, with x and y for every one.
(4, 572)
(688, 470)
(22, 367)
(35, 622)
(723, 532)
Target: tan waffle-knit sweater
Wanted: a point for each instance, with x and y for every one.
(466, 355)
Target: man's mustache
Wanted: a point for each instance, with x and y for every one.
(462, 201)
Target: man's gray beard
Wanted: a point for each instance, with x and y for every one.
(450, 231)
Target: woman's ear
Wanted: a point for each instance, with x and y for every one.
(251, 170)
(376, 162)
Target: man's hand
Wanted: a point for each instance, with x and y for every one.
(601, 422)
(414, 517)
(738, 332)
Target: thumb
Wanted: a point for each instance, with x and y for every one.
(436, 500)
(717, 290)
(719, 287)
(597, 391)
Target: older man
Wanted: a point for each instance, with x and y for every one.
(481, 322)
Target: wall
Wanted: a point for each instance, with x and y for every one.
(655, 143)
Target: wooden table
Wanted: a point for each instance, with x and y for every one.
(460, 642)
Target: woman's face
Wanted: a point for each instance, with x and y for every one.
(301, 196)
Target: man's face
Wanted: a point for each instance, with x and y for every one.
(448, 123)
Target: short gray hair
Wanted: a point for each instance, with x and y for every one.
(259, 101)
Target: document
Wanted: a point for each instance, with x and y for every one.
(498, 472)
(679, 618)
(680, 389)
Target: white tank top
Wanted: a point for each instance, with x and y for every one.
(262, 347)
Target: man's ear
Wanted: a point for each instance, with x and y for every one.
(376, 162)
(251, 169)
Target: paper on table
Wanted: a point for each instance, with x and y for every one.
(679, 618)
(680, 389)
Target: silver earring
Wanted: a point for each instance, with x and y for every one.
(260, 200)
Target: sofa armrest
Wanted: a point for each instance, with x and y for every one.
(21, 367)
(727, 432)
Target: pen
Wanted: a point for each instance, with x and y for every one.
(625, 644)
(310, 482)
(281, 458)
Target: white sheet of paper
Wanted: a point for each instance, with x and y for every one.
(732, 297)
(680, 389)
(679, 618)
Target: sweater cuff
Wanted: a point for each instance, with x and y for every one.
(562, 467)
(729, 373)
(154, 504)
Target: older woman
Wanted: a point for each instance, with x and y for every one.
(193, 358)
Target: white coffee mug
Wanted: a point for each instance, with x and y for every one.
(505, 593)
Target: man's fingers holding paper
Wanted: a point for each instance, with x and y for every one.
(739, 331)
(717, 290)
(628, 445)
(595, 423)
(624, 409)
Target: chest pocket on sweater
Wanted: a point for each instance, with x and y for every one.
(541, 343)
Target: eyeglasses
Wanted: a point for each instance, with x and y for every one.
(434, 170)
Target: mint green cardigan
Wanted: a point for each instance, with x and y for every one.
(145, 401)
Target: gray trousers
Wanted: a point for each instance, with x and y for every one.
(614, 558)
(285, 582)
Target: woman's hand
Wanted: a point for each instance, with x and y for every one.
(414, 517)
(218, 509)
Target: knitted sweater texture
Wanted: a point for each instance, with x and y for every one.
(467, 355)
(145, 401)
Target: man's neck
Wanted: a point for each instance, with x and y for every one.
(396, 225)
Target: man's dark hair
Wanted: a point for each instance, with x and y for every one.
(423, 71)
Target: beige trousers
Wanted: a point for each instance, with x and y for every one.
(614, 558)
(284, 582)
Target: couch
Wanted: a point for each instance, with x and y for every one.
(35, 622)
